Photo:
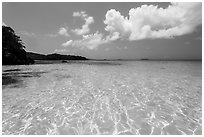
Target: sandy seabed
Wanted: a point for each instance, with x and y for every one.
(125, 98)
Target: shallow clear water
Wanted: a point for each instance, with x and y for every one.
(120, 97)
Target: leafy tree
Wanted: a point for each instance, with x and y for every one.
(13, 52)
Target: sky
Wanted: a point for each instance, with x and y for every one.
(109, 30)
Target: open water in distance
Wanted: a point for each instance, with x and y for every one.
(105, 97)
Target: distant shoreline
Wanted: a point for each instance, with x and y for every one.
(61, 57)
(147, 60)
(97, 60)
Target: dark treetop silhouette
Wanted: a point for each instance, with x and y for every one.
(13, 52)
(54, 56)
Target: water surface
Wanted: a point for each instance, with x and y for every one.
(105, 97)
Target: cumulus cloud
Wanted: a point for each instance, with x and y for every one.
(198, 38)
(107, 49)
(90, 41)
(80, 14)
(85, 28)
(3, 24)
(29, 34)
(51, 35)
(187, 43)
(113, 36)
(145, 22)
(59, 50)
(150, 21)
(69, 42)
(63, 31)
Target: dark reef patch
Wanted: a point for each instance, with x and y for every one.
(14, 77)
(11, 70)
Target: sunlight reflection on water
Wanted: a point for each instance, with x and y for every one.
(132, 97)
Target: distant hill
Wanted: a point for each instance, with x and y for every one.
(144, 59)
(35, 56)
(54, 56)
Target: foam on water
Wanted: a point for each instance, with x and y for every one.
(135, 97)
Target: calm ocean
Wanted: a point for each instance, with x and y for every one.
(103, 97)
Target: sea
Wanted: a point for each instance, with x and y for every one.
(103, 97)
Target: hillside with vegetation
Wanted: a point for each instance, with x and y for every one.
(13, 52)
(54, 56)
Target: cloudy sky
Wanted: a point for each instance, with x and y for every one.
(109, 30)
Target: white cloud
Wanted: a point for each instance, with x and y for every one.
(59, 50)
(198, 38)
(29, 34)
(3, 24)
(187, 43)
(80, 14)
(90, 41)
(149, 21)
(85, 28)
(107, 49)
(63, 31)
(51, 35)
(69, 42)
(113, 36)
(142, 23)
